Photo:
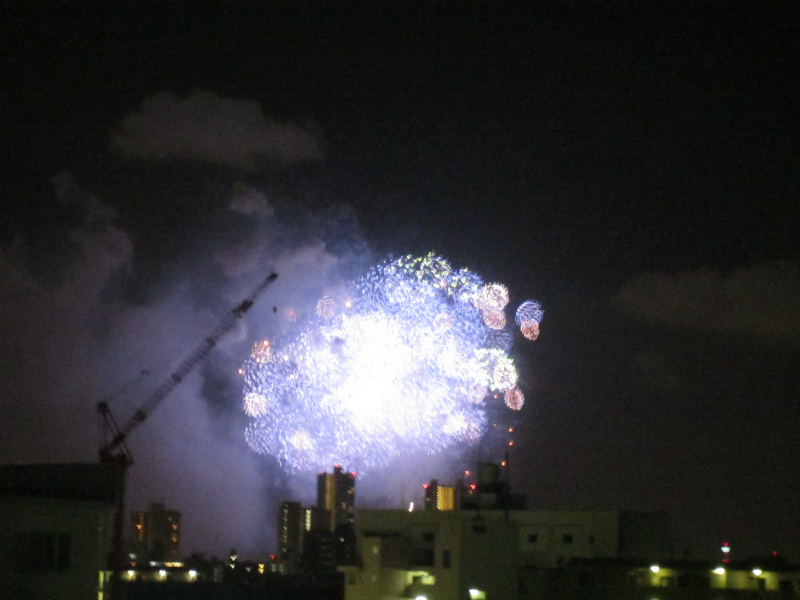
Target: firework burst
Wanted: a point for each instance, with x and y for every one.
(407, 363)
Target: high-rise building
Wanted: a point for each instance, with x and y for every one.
(156, 533)
(294, 523)
(336, 494)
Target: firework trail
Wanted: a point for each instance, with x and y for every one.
(405, 362)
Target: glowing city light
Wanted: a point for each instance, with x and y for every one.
(719, 570)
(408, 362)
(757, 572)
(655, 568)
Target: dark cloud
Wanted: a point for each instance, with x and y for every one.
(250, 201)
(209, 128)
(762, 301)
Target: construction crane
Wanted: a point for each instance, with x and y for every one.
(116, 450)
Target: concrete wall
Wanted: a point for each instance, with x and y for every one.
(87, 526)
(545, 538)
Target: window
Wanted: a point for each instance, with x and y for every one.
(446, 559)
(567, 538)
(478, 526)
(533, 538)
(586, 579)
(591, 539)
(42, 552)
(428, 536)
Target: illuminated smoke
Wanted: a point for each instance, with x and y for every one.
(406, 364)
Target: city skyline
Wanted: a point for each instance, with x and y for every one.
(634, 169)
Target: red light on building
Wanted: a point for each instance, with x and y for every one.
(425, 486)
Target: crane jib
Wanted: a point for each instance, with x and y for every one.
(119, 434)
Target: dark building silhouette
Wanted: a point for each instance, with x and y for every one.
(155, 533)
(336, 494)
(56, 524)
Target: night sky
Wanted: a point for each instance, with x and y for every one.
(636, 169)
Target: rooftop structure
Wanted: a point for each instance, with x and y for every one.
(56, 524)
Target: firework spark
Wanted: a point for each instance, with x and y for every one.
(514, 399)
(261, 352)
(407, 363)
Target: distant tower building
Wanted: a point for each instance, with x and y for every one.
(336, 494)
(156, 533)
(331, 540)
(291, 526)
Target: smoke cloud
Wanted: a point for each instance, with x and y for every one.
(207, 127)
(762, 301)
(93, 312)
